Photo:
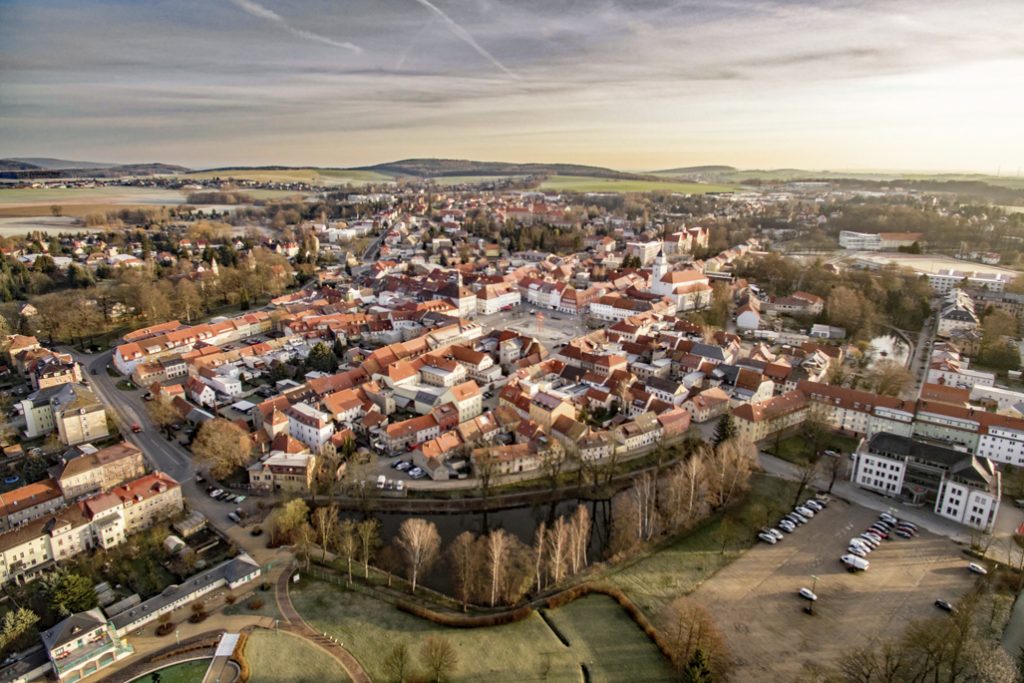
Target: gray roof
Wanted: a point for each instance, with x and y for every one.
(708, 351)
(957, 463)
(69, 629)
(229, 571)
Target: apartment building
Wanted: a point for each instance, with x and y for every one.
(960, 486)
(309, 425)
(99, 470)
(281, 471)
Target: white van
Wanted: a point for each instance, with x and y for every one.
(854, 562)
(381, 480)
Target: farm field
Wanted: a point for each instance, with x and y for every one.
(305, 175)
(599, 634)
(567, 183)
(279, 657)
(47, 196)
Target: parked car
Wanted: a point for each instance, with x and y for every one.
(813, 505)
(403, 465)
(902, 533)
(977, 568)
(768, 538)
(945, 606)
(417, 473)
(870, 540)
(381, 481)
(857, 550)
(797, 517)
(774, 532)
(808, 594)
(854, 563)
(886, 517)
(239, 499)
(136, 428)
(878, 531)
(216, 492)
(805, 512)
(234, 518)
(905, 523)
(399, 485)
(787, 526)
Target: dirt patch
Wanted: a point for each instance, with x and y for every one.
(755, 601)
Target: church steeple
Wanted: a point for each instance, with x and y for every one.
(660, 267)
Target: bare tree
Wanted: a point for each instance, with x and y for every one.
(348, 543)
(558, 544)
(368, 531)
(465, 564)
(580, 526)
(439, 658)
(808, 473)
(325, 521)
(539, 538)
(643, 496)
(687, 629)
(497, 556)
(728, 470)
(684, 501)
(419, 541)
(396, 664)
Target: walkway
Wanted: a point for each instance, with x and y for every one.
(297, 625)
(222, 669)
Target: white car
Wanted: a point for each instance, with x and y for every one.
(870, 539)
(796, 517)
(854, 562)
(774, 532)
(216, 492)
(768, 538)
(808, 594)
(886, 517)
(787, 526)
(805, 512)
(977, 569)
(858, 550)
(813, 505)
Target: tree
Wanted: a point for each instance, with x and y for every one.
(685, 502)
(18, 625)
(643, 494)
(222, 446)
(579, 537)
(463, 559)
(287, 519)
(419, 542)
(322, 358)
(162, 413)
(439, 658)
(186, 299)
(539, 539)
(67, 593)
(725, 430)
(325, 521)
(348, 544)
(396, 664)
(728, 471)
(558, 550)
(687, 628)
(497, 557)
(368, 531)
(888, 378)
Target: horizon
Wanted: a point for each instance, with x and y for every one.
(937, 87)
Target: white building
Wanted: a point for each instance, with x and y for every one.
(946, 279)
(960, 486)
(309, 425)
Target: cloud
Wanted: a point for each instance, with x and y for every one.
(463, 35)
(261, 12)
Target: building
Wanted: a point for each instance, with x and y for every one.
(100, 470)
(72, 409)
(147, 500)
(546, 408)
(497, 297)
(688, 289)
(757, 421)
(467, 399)
(281, 471)
(32, 546)
(957, 313)
(309, 425)
(945, 280)
(883, 241)
(960, 486)
(29, 502)
(83, 644)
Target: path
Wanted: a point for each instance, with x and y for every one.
(297, 625)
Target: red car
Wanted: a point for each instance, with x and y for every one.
(136, 428)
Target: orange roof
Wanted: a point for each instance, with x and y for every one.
(28, 496)
(465, 391)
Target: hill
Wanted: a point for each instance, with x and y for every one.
(687, 170)
(59, 164)
(435, 168)
(43, 168)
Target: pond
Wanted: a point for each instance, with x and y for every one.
(521, 522)
(889, 347)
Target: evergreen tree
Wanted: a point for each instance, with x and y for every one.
(697, 669)
(322, 358)
(725, 430)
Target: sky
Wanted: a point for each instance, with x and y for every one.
(930, 85)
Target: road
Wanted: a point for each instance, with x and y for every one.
(170, 457)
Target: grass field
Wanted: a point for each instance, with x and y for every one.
(278, 657)
(293, 175)
(568, 183)
(791, 448)
(186, 672)
(598, 631)
(680, 567)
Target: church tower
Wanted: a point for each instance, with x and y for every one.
(659, 269)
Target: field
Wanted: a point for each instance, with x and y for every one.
(791, 448)
(186, 672)
(930, 263)
(754, 600)
(567, 183)
(278, 657)
(680, 567)
(599, 634)
(294, 175)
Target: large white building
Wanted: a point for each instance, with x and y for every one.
(946, 279)
(960, 486)
(882, 241)
(688, 289)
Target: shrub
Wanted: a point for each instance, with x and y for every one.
(230, 599)
(454, 620)
(255, 603)
(164, 628)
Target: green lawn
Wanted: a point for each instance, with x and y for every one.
(599, 633)
(679, 567)
(279, 657)
(791, 448)
(568, 183)
(186, 672)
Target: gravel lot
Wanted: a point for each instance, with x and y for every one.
(755, 603)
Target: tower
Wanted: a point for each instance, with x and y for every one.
(660, 267)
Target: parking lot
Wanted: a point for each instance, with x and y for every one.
(755, 603)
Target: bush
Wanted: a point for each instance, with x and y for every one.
(230, 599)
(255, 603)
(454, 620)
(164, 628)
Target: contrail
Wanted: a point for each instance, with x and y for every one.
(464, 36)
(258, 10)
(412, 43)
